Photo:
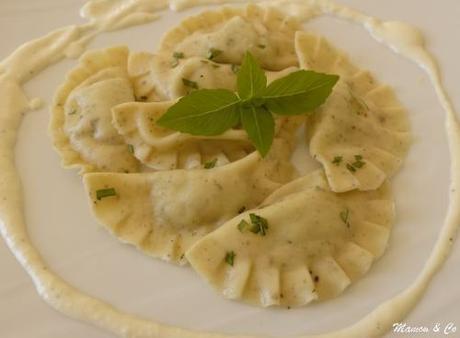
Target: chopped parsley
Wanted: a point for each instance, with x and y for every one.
(344, 216)
(73, 112)
(235, 68)
(210, 164)
(359, 163)
(243, 226)
(259, 225)
(177, 56)
(213, 53)
(190, 84)
(337, 160)
(104, 193)
(131, 148)
(230, 258)
(351, 168)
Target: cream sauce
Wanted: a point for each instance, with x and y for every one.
(105, 15)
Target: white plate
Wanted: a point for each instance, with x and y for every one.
(69, 239)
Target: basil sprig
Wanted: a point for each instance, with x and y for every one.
(211, 112)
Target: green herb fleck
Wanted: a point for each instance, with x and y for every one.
(210, 164)
(235, 68)
(259, 225)
(359, 163)
(190, 84)
(213, 53)
(230, 258)
(131, 148)
(178, 55)
(351, 168)
(344, 216)
(243, 226)
(104, 193)
(73, 112)
(337, 160)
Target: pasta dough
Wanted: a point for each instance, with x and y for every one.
(315, 244)
(160, 78)
(164, 149)
(361, 134)
(265, 32)
(164, 213)
(81, 125)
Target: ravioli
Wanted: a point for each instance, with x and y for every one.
(164, 213)
(361, 134)
(81, 122)
(314, 245)
(164, 149)
(226, 35)
(159, 78)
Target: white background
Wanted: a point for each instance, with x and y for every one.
(84, 254)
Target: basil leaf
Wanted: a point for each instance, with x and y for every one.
(299, 92)
(251, 80)
(260, 126)
(206, 112)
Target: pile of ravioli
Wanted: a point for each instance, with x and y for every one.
(324, 229)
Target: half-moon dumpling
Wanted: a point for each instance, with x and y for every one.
(81, 124)
(156, 78)
(304, 243)
(164, 213)
(227, 34)
(361, 134)
(163, 78)
(164, 149)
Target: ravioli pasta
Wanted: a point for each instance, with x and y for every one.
(81, 125)
(361, 134)
(264, 31)
(159, 78)
(163, 149)
(317, 242)
(164, 213)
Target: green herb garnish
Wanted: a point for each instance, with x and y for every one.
(344, 216)
(211, 112)
(351, 168)
(337, 160)
(131, 148)
(358, 164)
(190, 84)
(259, 225)
(104, 193)
(213, 53)
(230, 258)
(243, 226)
(210, 164)
(176, 57)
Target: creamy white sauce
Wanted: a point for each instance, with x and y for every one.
(105, 15)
